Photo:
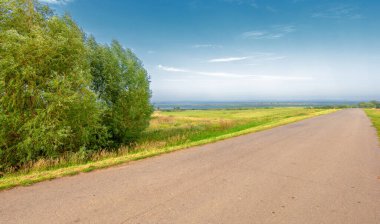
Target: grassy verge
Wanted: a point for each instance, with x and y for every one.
(374, 115)
(169, 131)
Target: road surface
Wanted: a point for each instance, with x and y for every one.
(321, 170)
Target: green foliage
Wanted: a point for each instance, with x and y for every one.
(337, 106)
(48, 106)
(122, 85)
(374, 115)
(371, 104)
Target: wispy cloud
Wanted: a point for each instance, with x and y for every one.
(286, 78)
(234, 75)
(56, 2)
(215, 74)
(206, 46)
(271, 9)
(251, 3)
(221, 74)
(229, 59)
(338, 12)
(255, 57)
(275, 32)
(171, 69)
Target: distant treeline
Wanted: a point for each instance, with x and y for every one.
(371, 104)
(250, 104)
(61, 91)
(229, 106)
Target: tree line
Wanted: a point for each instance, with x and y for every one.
(370, 104)
(62, 91)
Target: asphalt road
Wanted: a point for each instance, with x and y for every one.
(321, 170)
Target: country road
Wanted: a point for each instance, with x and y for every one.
(321, 170)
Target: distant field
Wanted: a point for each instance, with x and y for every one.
(374, 115)
(168, 131)
(172, 128)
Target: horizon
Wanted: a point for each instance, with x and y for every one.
(263, 101)
(243, 50)
(202, 105)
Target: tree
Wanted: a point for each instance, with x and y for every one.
(375, 103)
(60, 92)
(371, 104)
(46, 105)
(122, 85)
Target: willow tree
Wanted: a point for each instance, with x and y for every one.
(122, 85)
(47, 107)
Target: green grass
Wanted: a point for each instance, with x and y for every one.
(374, 115)
(169, 131)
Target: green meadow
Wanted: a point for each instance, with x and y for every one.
(173, 128)
(374, 115)
(168, 131)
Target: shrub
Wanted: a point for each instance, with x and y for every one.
(122, 86)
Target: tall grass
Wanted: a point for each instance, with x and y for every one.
(374, 115)
(178, 127)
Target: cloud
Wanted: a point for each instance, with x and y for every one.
(251, 3)
(56, 2)
(235, 75)
(286, 78)
(230, 59)
(255, 57)
(222, 74)
(206, 46)
(271, 9)
(171, 69)
(338, 12)
(275, 32)
(266, 57)
(180, 70)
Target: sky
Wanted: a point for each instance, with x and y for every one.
(244, 50)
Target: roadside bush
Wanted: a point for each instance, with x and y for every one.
(122, 86)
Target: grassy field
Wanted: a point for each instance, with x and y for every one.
(169, 131)
(173, 128)
(374, 115)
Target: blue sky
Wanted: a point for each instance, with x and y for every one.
(244, 50)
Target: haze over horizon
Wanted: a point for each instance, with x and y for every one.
(244, 50)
